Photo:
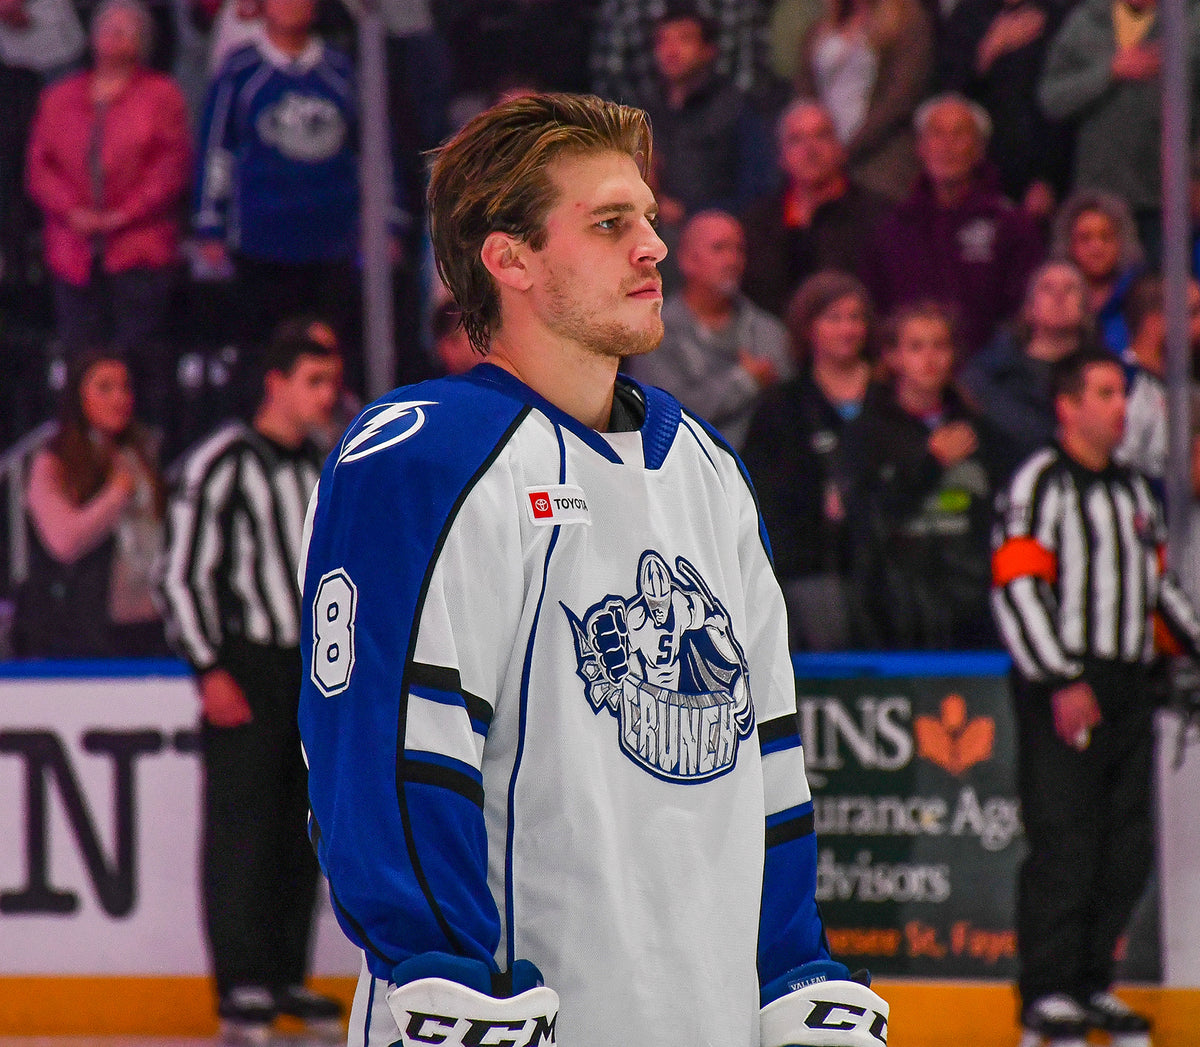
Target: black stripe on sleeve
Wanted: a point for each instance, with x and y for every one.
(794, 829)
(417, 772)
(444, 678)
(781, 727)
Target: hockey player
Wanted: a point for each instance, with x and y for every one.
(548, 707)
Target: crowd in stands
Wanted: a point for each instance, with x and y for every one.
(887, 219)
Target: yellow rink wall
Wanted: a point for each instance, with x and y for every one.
(923, 1013)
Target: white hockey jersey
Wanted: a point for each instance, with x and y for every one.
(549, 711)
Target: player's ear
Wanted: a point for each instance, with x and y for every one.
(504, 257)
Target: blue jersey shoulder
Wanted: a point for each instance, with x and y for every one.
(427, 423)
(240, 64)
(407, 460)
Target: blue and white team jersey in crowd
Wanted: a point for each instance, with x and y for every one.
(277, 174)
(584, 753)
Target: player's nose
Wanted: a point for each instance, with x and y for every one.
(650, 246)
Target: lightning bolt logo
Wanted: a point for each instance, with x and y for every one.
(384, 426)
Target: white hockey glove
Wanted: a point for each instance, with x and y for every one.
(432, 1010)
(819, 1005)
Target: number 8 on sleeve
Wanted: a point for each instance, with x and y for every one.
(334, 607)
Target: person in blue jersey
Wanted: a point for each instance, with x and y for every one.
(276, 185)
(514, 814)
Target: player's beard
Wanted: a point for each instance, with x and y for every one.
(595, 332)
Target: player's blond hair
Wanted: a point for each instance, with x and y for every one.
(493, 177)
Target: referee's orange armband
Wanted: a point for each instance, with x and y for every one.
(1023, 558)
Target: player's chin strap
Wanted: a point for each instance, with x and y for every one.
(457, 1002)
(821, 1005)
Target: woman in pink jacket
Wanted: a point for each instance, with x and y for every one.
(108, 164)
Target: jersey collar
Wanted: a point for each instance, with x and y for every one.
(313, 52)
(658, 429)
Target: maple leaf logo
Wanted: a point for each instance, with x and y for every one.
(954, 742)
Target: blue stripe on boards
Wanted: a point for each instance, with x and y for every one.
(93, 668)
(806, 665)
(846, 665)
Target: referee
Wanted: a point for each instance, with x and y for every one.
(1078, 582)
(234, 539)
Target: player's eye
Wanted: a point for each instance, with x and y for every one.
(609, 224)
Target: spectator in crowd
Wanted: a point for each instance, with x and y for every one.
(108, 165)
(1096, 231)
(95, 503)
(955, 239)
(1103, 71)
(39, 42)
(870, 62)
(993, 51)
(719, 350)
(711, 149)
(819, 218)
(233, 546)
(1144, 444)
(922, 469)
(236, 24)
(621, 60)
(791, 452)
(277, 181)
(1078, 574)
(1010, 380)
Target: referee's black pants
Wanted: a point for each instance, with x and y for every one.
(260, 873)
(1089, 827)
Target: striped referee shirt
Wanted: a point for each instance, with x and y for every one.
(234, 530)
(1078, 569)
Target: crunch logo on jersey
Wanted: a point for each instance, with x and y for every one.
(666, 665)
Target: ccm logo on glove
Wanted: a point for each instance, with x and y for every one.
(475, 1032)
(441, 1012)
(826, 1015)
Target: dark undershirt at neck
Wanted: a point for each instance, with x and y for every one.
(628, 410)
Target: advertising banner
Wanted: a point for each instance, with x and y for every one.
(100, 793)
(912, 761)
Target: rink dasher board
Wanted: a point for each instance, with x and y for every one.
(100, 794)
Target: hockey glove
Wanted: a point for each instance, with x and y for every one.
(821, 1005)
(438, 1009)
